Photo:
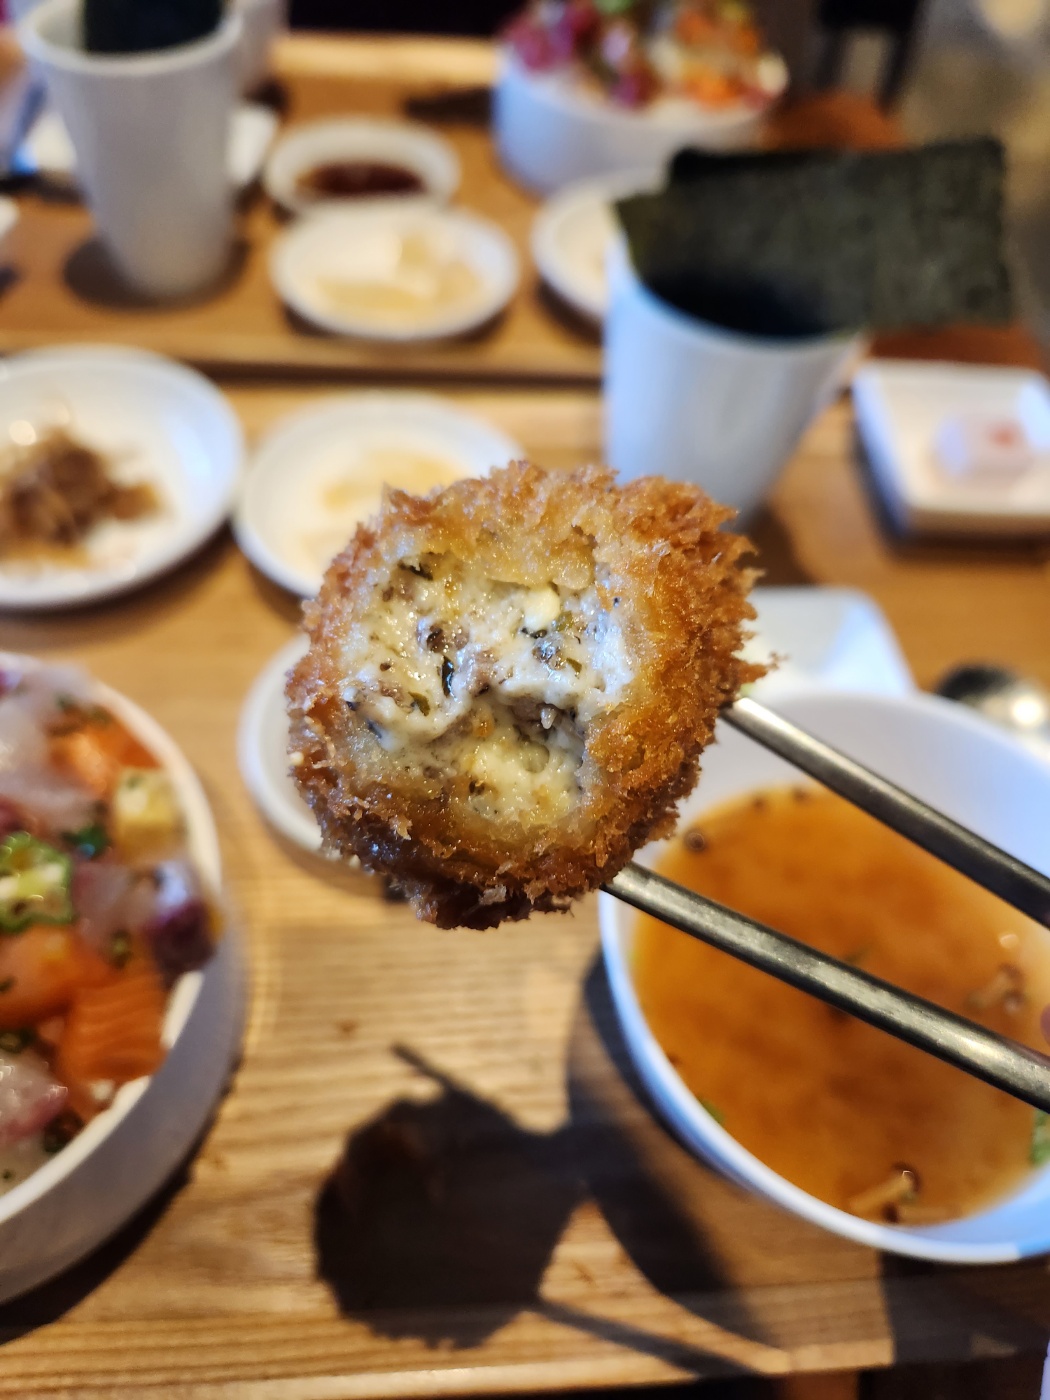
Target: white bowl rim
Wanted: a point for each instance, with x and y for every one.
(229, 462)
(283, 435)
(205, 852)
(439, 169)
(696, 1124)
(502, 286)
(561, 91)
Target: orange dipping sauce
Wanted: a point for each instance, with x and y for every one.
(836, 1106)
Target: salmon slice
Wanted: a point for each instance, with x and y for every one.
(112, 1033)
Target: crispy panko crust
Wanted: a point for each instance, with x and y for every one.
(654, 545)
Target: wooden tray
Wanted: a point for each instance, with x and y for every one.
(58, 287)
(526, 1223)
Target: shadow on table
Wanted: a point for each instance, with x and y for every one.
(441, 1217)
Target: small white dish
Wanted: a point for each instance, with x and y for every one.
(158, 423)
(321, 471)
(551, 131)
(406, 144)
(9, 215)
(395, 272)
(262, 751)
(964, 766)
(901, 407)
(91, 1188)
(573, 233)
(838, 636)
(48, 152)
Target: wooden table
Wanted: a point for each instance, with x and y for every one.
(570, 1241)
(564, 1239)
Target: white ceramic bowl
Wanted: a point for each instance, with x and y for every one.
(959, 763)
(551, 132)
(85, 1193)
(406, 144)
(162, 423)
(352, 446)
(363, 243)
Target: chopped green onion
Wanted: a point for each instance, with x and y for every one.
(1039, 1149)
(120, 949)
(716, 1113)
(90, 841)
(35, 883)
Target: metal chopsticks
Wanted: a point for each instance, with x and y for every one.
(999, 1061)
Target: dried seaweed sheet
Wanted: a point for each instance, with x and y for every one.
(810, 242)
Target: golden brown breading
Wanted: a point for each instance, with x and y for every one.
(510, 681)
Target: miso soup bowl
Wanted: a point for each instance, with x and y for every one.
(959, 763)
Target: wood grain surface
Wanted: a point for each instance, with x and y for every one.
(435, 1173)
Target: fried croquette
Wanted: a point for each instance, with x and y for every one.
(510, 681)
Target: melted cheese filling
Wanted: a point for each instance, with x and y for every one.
(458, 674)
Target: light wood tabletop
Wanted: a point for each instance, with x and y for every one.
(528, 1225)
(560, 1237)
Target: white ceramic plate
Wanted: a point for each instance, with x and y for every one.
(901, 404)
(405, 144)
(572, 235)
(84, 1194)
(48, 152)
(320, 472)
(964, 766)
(262, 751)
(159, 423)
(385, 245)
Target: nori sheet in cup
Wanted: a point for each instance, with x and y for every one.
(797, 243)
(140, 26)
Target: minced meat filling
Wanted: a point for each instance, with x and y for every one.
(495, 681)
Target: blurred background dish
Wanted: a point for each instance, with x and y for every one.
(87, 1191)
(573, 233)
(395, 272)
(262, 752)
(156, 424)
(957, 449)
(550, 133)
(349, 158)
(320, 472)
(963, 766)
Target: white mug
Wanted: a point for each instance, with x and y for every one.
(694, 402)
(150, 132)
